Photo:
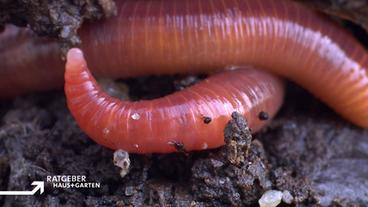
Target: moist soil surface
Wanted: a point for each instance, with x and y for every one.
(307, 151)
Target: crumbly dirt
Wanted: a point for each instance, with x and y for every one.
(58, 19)
(307, 150)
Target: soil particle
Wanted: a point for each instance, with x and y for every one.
(236, 174)
(238, 139)
(183, 82)
(121, 160)
(60, 19)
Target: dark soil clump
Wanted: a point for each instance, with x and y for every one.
(59, 19)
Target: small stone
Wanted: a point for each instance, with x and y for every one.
(270, 198)
(287, 197)
(121, 160)
(136, 116)
(129, 191)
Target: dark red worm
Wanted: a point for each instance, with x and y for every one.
(28, 63)
(282, 37)
(157, 125)
(183, 36)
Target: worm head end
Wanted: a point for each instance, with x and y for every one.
(75, 59)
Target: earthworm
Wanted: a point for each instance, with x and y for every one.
(183, 36)
(28, 63)
(177, 119)
(191, 36)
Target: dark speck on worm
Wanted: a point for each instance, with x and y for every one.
(263, 116)
(207, 119)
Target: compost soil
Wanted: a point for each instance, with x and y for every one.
(307, 150)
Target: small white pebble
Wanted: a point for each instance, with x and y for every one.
(287, 197)
(205, 146)
(136, 116)
(193, 204)
(270, 198)
(121, 160)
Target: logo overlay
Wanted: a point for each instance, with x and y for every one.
(71, 181)
(56, 181)
(39, 186)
